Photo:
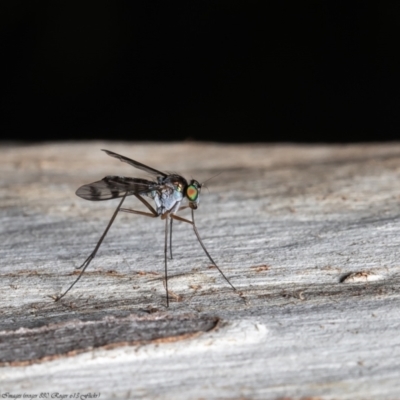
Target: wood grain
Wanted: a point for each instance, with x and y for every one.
(308, 234)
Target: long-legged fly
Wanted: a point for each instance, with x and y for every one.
(168, 191)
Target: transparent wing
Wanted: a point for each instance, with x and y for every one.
(135, 164)
(112, 187)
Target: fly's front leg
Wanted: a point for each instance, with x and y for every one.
(202, 244)
(93, 254)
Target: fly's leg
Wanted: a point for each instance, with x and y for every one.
(165, 256)
(93, 254)
(170, 231)
(153, 213)
(174, 216)
(170, 237)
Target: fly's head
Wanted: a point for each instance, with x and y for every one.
(192, 193)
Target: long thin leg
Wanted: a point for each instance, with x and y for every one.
(170, 231)
(147, 204)
(202, 244)
(93, 254)
(170, 237)
(165, 257)
(153, 213)
(146, 214)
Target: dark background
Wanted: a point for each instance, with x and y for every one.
(310, 71)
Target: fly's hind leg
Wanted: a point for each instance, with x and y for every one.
(93, 254)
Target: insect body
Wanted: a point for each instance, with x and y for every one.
(168, 192)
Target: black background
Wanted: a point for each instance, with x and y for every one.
(307, 71)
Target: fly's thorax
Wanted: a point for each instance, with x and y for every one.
(193, 193)
(169, 193)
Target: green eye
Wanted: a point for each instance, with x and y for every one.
(192, 192)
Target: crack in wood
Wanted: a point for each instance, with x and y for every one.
(27, 345)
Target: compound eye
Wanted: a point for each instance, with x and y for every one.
(192, 192)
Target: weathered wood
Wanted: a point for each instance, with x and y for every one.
(308, 234)
(27, 345)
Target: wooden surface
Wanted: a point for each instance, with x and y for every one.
(308, 234)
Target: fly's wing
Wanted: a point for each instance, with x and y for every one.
(112, 187)
(135, 164)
